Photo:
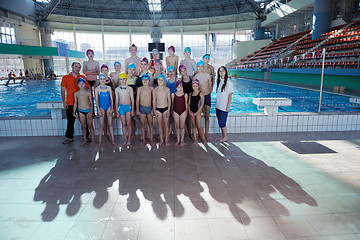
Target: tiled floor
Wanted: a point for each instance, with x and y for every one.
(256, 186)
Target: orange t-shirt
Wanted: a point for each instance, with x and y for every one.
(69, 82)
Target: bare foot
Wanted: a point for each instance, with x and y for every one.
(92, 144)
(152, 142)
(124, 143)
(177, 143)
(161, 143)
(100, 144)
(224, 140)
(83, 143)
(143, 142)
(128, 143)
(167, 143)
(195, 143)
(113, 143)
(205, 143)
(219, 139)
(182, 144)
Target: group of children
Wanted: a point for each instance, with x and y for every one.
(146, 90)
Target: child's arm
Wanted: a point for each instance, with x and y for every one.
(97, 102)
(117, 99)
(138, 101)
(169, 101)
(91, 104)
(167, 62)
(176, 63)
(97, 69)
(154, 99)
(189, 103)
(111, 98)
(186, 100)
(201, 104)
(75, 105)
(172, 101)
(132, 101)
(193, 63)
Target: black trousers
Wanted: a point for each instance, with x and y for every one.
(70, 123)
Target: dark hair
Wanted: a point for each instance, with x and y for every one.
(133, 45)
(218, 79)
(75, 62)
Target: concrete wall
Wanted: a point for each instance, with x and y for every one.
(24, 8)
(246, 48)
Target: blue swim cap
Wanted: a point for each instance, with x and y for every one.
(102, 75)
(117, 62)
(145, 76)
(132, 66)
(206, 55)
(170, 68)
(187, 49)
(200, 63)
(161, 76)
(81, 79)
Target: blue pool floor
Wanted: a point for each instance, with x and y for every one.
(256, 186)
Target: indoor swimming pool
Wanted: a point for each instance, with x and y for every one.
(20, 100)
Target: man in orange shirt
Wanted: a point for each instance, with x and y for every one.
(69, 86)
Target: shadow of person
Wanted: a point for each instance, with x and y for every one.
(250, 181)
(66, 182)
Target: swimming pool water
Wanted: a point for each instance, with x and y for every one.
(20, 100)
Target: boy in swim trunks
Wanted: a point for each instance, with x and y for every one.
(115, 75)
(206, 88)
(91, 69)
(133, 59)
(162, 103)
(209, 69)
(124, 107)
(85, 108)
(172, 59)
(144, 107)
(104, 104)
(189, 63)
(131, 82)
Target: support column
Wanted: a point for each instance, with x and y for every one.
(259, 31)
(46, 42)
(321, 17)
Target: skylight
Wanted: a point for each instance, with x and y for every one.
(154, 5)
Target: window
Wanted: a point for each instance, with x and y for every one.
(63, 37)
(223, 48)
(92, 41)
(141, 41)
(116, 49)
(7, 33)
(197, 43)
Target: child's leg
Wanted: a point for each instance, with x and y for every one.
(91, 127)
(151, 127)
(193, 121)
(176, 118)
(166, 126)
(83, 127)
(129, 121)
(102, 119)
(207, 120)
(124, 129)
(200, 129)
(143, 125)
(182, 127)
(159, 118)
(110, 125)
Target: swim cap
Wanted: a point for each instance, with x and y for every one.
(154, 51)
(122, 75)
(145, 60)
(172, 48)
(132, 66)
(89, 50)
(187, 49)
(145, 77)
(104, 66)
(178, 83)
(117, 62)
(182, 67)
(170, 68)
(196, 81)
(200, 63)
(157, 61)
(81, 79)
(206, 55)
(161, 76)
(102, 75)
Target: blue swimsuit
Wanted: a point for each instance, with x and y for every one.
(172, 86)
(104, 100)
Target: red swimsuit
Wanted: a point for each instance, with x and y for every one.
(179, 104)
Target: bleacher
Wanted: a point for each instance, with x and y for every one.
(342, 45)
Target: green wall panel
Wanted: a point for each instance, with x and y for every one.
(27, 50)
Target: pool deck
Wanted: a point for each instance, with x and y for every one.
(302, 185)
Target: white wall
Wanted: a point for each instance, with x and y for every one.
(245, 48)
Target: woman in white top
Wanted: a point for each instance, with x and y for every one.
(224, 91)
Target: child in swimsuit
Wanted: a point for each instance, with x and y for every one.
(84, 105)
(196, 103)
(144, 107)
(91, 69)
(162, 103)
(104, 104)
(115, 75)
(180, 109)
(172, 59)
(124, 107)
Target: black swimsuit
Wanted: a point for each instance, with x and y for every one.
(195, 103)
